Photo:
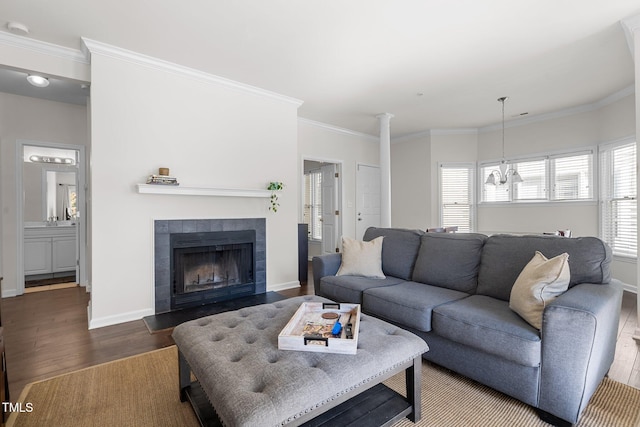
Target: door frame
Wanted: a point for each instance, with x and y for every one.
(81, 192)
(340, 193)
(357, 197)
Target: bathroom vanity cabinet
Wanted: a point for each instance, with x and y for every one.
(49, 250)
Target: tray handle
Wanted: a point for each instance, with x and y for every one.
(316, 340)
(333, 305)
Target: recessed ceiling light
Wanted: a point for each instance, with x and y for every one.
(38, 81)
(18, 28)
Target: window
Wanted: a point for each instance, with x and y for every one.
(561, 177)
(572, 177)
(619, 211)
(313, 203)
(534, 177)
(457, 196)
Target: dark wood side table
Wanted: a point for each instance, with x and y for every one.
(4, 386)
(303, 253)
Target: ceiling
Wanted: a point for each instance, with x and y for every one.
(433, 64)
(71, 92)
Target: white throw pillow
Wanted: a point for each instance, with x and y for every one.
(539, 282)
(361, 258)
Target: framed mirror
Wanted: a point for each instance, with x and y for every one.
(49, 186)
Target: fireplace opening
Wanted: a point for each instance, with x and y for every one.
(211, 267)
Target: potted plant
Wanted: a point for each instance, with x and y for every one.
(274, 187)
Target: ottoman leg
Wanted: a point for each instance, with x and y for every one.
(413, 376)
(184, 376)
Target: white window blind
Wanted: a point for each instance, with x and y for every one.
(456, 196)
(534, 177)
(313, 204)
(619, 216)
(572, 177)
(567, 176)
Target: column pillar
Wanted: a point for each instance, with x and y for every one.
(385, 169)
(631, 28)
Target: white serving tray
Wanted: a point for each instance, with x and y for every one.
(308, 331)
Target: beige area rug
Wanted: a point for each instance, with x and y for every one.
(143, 391)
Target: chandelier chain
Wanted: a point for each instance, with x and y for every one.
(502, 100)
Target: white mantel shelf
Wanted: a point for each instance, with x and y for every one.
(201, 191)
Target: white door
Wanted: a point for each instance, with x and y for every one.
(329, 206)
(367, 198)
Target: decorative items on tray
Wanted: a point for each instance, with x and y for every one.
(322, 327)
(162, 178)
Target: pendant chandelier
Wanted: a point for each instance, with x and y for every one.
(502, 174)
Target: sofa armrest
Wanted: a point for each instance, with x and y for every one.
(579, 332)
(324, 265)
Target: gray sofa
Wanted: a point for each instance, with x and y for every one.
(453, 291)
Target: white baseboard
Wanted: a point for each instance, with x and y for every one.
(9, 293)
(283, 286)
(119, 318)
(630, 288)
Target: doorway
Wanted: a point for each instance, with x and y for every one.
(50, 205)
(367, 198)
(322, 205)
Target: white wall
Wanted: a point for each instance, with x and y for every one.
(447, 147)
(414, 173)
(56, 122)
(346, 148)
(411, 170)
(33, 191)
(209, 135)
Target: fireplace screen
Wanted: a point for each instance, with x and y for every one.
(214, 267)
(211, 266)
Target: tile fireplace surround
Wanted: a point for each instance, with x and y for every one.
(163, 230)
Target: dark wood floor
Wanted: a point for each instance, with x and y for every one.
(46, 335)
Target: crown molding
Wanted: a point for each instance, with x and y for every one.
(337, 129)
(616, 96)
(43, 48)
(435, 132)
(90, 47)
(411, 136)
(630, 26)
(461, 131)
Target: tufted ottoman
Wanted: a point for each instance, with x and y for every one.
(249, 382)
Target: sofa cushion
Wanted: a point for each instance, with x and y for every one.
(504, 256)
(399, 249)
(407, 303)
(489, 325)
(449, 260)
(350, 288)
(361, 258)
(539, 282)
